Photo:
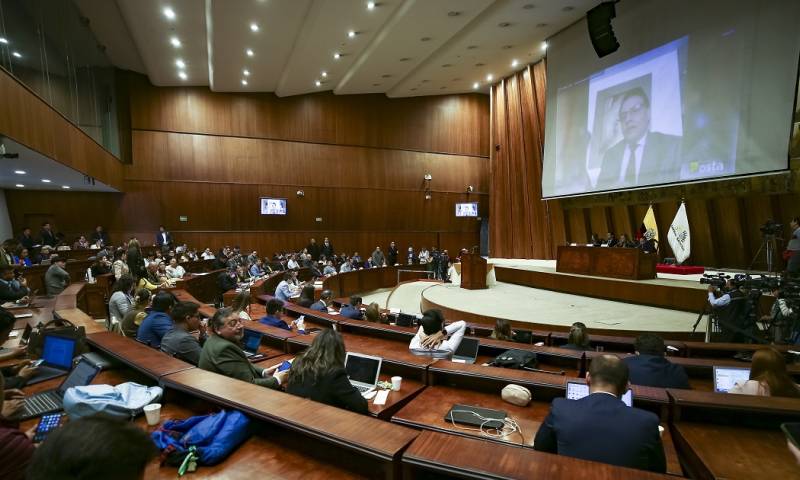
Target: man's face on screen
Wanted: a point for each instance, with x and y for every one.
(634, 118)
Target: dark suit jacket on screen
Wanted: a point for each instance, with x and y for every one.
(656, 371)
(600, 428)
(660, 162)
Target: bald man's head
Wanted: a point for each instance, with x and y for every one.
(608, 373)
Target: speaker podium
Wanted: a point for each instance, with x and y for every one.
(473, 272)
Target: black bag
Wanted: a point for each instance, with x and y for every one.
(516, 359)
(60, 327)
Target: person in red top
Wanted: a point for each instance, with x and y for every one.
(16, 447)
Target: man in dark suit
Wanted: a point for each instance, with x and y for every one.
(324, 301)
(352, 310)
(313, 249)
(26, 239)
(599, 427)
(163, 238)
(642, 157)
(46, 235)
(327, 249)
(391, 254)
(650, 368)
(100, 234)
(11, 289)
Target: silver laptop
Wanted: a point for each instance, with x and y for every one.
(362, 370)
(726, 377)
(467, 350)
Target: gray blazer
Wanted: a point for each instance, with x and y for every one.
(56, 279)
(118, 305)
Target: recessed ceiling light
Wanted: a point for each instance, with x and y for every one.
(254, 27)
(20, 172)
(169, 13)
(4, 40)
(180, 63)
(175, 42)
(249, 52)
(370, 5)
(45, 180)
(65, 187)
(246, 72)
(183, 75)
(318, 83)
(351, 34)
(16, 54)
(337, 55)
(324, 74)
(244, 82)
(489, 77)
(475, 85)
(19, 185)
(514, 63)
(544, 46)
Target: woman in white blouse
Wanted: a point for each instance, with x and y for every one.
(768, 376)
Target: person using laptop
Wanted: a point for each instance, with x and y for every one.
(651, 368)
(433, 335)
(178, 342)
(223, 354)
(158, 322)
(353, 309)
(582, 428)
(16, 447)
(768, 376)
(12, 289)
(319, 374)
(16, 375)
(272, 318)
(324, 301)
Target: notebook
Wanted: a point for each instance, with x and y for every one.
(57, 354)
(362, 370)
(576, 391)
(726, 377)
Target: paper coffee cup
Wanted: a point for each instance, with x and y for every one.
(153, 413)
(397, 383)
(660, 431)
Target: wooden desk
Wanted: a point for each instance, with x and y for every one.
(377, 330)
(367, 280)
(437, 454)
(201, 286)
(627, 263)
(721, 349)
(273, 336)
(154, 363)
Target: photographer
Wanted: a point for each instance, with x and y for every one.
(781, 318)
(730, 308)
(792, 253)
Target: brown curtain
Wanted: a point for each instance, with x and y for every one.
(521, 224)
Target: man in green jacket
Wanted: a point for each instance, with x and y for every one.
(222, 353)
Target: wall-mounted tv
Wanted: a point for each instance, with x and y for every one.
(469, 209)
(273, 206)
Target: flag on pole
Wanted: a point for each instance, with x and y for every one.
(678, 236)
(649, 229)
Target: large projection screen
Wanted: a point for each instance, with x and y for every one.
(698, 90)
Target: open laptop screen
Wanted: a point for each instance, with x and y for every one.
(251, 340)
(83, 374)
(362, 369)
(726, 377)
(468, 348)
(58, 351)
(576, 391)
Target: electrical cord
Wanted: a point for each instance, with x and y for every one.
(510, 426)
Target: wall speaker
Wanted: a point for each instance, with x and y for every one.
(600, 30)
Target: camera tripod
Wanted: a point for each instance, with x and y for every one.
(768, 247)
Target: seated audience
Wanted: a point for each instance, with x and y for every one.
(319, 374)
(101, 266)
(56, 279)
(12, 289)
(768, 376)
(121, 300)
(502, 330)
(150, 280)
(120, 265)
(624, 242)
(179, 342)
(329, 268)
(174, 270)
(353, 309)
(99, 235)
(222, 353)
(16, 375)
(324, 301)
(578, 337)
(207, 254)
(26, 238)
(649, 367)
(600, 427)
(46, 235)
(227, 280)
(257, 269)
(347, 266)
(272, 317)
(23, 258)
(16, 447)
(81, 244)
(93, 448)
(241, 305)
(433, 335)
(157, 322)
(286, 288)
(373, 313)
(242, 275)
(135, 316)
(306, 296)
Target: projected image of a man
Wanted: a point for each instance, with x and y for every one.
(642, 157)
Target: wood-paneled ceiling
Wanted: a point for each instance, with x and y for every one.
(401, 48)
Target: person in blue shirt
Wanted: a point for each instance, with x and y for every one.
(272, 319)
(286, 290)
(257, 269)
(353, 309)
(158, 322)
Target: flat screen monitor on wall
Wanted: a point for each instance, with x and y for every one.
(468, 209)
(697, 91)
(273, 206)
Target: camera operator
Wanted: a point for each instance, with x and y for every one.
(792, 253)
(730, 308)
(781, 318)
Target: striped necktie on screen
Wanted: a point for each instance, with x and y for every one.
(630, 172)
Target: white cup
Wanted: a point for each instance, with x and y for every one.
(660, 431)
(153, 413)
(397, 383)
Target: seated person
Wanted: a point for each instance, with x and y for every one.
(23, 259)
(16, 447)
(15, 375)
(649, 367)
(134, 317)
(329, 268)
(223, 354)
(56, 278)
(90, 448)
(241, 305)
(257, 269)
(227, 280)
(150, 280)
(648, 245)
(272, 318)
(179, 342)
(373, 314)
(319, 374)
(583, 428)
(768, 376)
(624, 242)
(353, 309)
(433, 335)
(158, 322)
(324, 302)
(578, 337)
(12, 289)
(121, 301)
(286, 289)
(174, 270)
(306, 296)
(502, 330)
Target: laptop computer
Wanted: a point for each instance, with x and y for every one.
(522, 336)
(362, 370)
(476, 416)
(467, 350)
(51, 400)
(726, 377)
(405, 320)
(576, 391)
(251, 341)
(57, 355)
